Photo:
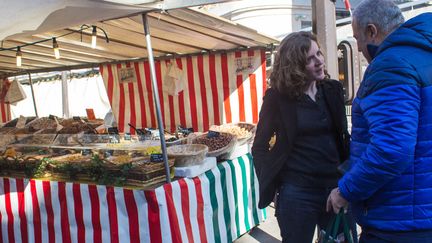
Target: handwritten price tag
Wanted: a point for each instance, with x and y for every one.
(156, 158)
(21, 122)
(213, 134)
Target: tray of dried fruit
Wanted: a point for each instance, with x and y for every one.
(219, 144)
(43, 132)
(41, 123)
(6, 139)
(242, 134)
(74, 126)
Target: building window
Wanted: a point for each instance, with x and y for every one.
(306, 24)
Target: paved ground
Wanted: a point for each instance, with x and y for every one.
(267, 232)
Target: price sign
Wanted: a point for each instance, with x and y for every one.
(90, 114)
(114, 138)
(156, 158)
(113, 130)
(108, 153)
(86, 152)
(21, 122)
(213, 134)
(185, 131)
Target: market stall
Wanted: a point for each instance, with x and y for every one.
(223, 81)
(217, 206)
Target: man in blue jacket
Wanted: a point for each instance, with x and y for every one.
(390, 182)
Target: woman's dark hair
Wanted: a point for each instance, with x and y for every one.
(289, 69)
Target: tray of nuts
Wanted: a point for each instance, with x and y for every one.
(219, 144)
(242, 134)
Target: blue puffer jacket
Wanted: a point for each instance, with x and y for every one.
(390, 182)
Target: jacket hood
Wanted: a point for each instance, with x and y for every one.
(416, 32)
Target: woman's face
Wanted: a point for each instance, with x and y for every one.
(314, 63)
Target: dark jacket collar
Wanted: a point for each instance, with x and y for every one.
(372, 50)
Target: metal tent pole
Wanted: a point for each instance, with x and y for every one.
(33, 96)
(65, 95)
(156, 95)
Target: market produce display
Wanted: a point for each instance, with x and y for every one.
(75, 152)
(219, 144)
(135, 169)
(187, 154)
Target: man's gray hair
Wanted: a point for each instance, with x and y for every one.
(384, 14)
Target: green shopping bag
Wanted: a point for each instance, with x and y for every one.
(331, 234)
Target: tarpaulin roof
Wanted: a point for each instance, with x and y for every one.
(174, 32)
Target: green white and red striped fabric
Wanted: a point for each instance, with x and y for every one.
(215, 91)
(217, 206)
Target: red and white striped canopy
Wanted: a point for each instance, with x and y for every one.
(219, 88)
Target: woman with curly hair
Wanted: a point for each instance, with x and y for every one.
(305, 111)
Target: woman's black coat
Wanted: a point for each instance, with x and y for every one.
(278, 116)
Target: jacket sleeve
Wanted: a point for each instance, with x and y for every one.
(392, 115)
(345, 137)
(266, 126)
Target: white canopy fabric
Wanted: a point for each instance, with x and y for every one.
(175, 30)
(24, 18)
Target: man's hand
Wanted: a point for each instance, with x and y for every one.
(335, 201)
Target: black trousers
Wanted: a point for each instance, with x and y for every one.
(299, 210)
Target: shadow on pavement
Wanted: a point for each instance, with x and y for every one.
(262, 236)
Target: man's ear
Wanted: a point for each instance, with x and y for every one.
(371, 31)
